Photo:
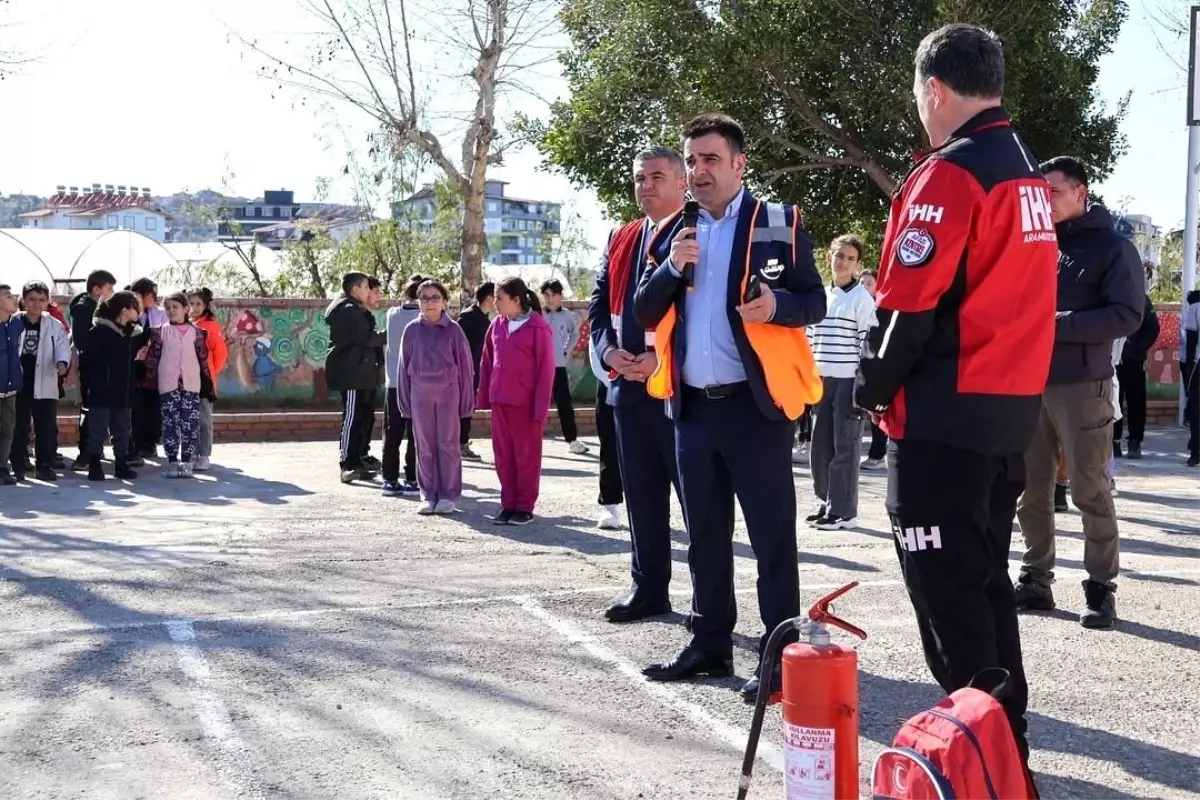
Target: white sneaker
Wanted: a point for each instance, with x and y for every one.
(426, 509)
(202, 463)
(577, 447)
(610, 518)
(185, 469)
(171, 469)
(872, 464)
(445, 507)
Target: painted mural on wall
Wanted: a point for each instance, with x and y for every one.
(277, 353)
(1162, 366)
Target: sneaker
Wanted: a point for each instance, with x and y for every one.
(520, 518)
(1112, 486)
(1117, 450)
(185, 470)
(1134, 453)
(833, 522)
(391, 489)
(372, 463)
(1101, 609)
(121, 471)
(6, 478)
(470, 455)
(872, 464)
(1033, 596)
(1194, 460)
(409, 487)
(445, 507)
(135, 461)
(1060, 497)
(353, 474)
(45, 474)
(577, 447)
(203, 463)
(171, 469)
(59, 462)
(95, 469)
(426, 508)
(81, 463)
(800, 453)
(504, 517)
(816, 515)
(610, 518)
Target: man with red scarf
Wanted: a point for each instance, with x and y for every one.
(645, 435)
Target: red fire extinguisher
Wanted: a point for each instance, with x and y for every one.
(820, 707)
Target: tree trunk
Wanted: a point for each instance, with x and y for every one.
(474, 238)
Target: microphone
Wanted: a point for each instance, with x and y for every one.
(691, 217)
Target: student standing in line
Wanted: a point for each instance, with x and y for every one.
(395, 427)
(200, 302)
(351, 369)
(100, 286)
(516, 376)
(45, 357)
(111, 346)
(177, 362)
(436, 391)
(11, 379)
(838, 422)
(374, 301)
(565, 326)
(147, 412)
(474, 323)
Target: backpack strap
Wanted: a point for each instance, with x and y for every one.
(996, 681)
(940, 783)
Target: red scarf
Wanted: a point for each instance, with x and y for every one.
(621, 258)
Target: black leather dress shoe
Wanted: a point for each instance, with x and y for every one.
(635, 607)
(749, 692)
(690, 663)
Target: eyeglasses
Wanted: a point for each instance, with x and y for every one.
(429, 298)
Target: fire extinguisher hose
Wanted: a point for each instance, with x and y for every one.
(765, 671)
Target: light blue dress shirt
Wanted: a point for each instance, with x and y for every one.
(710, 356)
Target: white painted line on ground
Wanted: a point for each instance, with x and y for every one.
(231, 754)
(734, 737)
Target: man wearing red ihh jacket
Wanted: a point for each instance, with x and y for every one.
(957, 363)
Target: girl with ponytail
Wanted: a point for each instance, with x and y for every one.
(519, 340)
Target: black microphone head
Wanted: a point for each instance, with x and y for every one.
(691, 213)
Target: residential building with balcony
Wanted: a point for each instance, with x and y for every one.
(100, 208)
(518, 229)
(275, 207)
(1145, 235)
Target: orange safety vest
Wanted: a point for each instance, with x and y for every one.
(784, 353)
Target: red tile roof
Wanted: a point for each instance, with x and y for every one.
(93, 204)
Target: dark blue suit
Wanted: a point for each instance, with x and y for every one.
(733, 440)
(645, 436)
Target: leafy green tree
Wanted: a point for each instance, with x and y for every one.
(823, 88)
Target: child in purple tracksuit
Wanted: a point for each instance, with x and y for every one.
(436, 379)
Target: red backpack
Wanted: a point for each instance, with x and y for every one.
(961, 749)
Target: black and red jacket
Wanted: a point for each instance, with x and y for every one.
(966, 296)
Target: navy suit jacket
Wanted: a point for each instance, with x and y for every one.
(798, 289)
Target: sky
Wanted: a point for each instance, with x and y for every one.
(161, 93)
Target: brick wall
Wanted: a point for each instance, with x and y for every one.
(318, 426)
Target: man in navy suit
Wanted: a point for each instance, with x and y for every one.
(645, 435)
(740, 374)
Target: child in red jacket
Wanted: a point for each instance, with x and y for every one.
(516, 378)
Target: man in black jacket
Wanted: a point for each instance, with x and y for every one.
(1131, 383)
(1101, 297)
(100, 285)
(475, 322)
(352, 368)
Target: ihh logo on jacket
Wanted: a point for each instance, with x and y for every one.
(1037, 223)
(915, 539)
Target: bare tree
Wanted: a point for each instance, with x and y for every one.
(364, 57)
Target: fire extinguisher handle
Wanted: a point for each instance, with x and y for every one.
(820, 612)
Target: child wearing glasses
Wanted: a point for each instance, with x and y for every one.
(436, 377)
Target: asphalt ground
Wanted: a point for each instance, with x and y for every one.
(267, 632)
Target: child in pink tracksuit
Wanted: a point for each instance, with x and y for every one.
(436, 389)
(516, 379)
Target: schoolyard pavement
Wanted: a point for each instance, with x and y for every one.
(266, 632)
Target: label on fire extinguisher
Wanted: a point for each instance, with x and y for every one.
(809, 762)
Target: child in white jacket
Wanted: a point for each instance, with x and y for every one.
(45, 350)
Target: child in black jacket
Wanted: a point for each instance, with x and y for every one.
(111, 349)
